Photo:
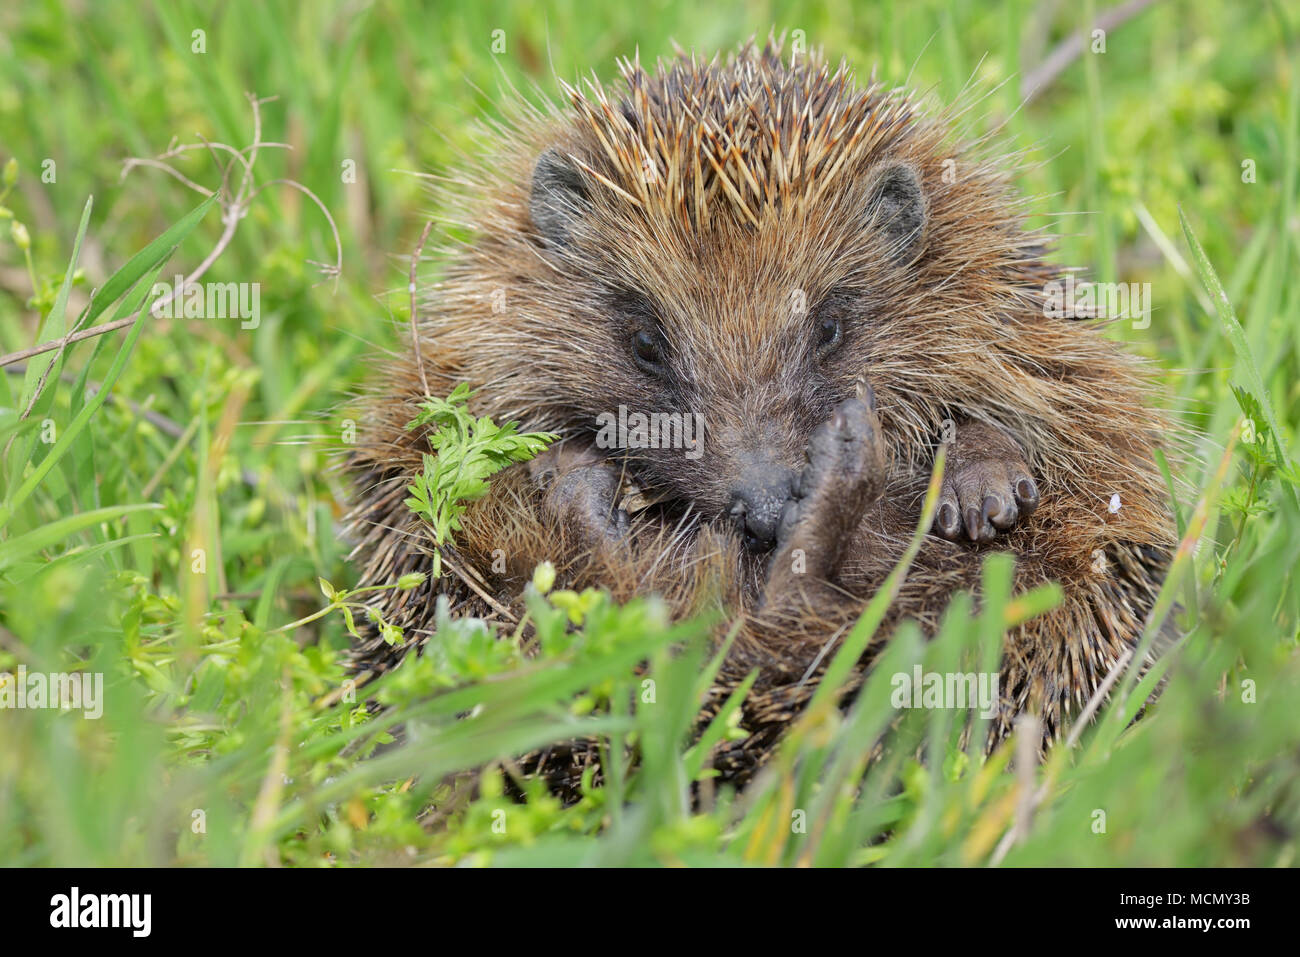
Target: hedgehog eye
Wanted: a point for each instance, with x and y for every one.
(829, 334)
(647, 350)
(646, 340)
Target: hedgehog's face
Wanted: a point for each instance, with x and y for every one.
(712, 353)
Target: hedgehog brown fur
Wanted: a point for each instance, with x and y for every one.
(834, 281)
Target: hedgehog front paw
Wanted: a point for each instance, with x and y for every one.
(845, 471)
(987, 487)
(580, 494)
(583, 500)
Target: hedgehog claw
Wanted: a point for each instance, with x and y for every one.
(1026, 495)
(947, 519)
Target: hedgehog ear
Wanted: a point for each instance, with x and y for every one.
(896, 207)
(558, 200)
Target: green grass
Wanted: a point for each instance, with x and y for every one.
(168, 501)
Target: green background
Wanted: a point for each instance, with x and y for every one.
(235, 433)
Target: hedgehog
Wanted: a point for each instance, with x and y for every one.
(835, 284)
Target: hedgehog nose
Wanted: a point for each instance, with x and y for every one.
(756, 503)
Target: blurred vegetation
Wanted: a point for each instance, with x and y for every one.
(228, 737)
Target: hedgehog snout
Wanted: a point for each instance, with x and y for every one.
(756, 501)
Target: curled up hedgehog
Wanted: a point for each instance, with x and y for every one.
(835, 287)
